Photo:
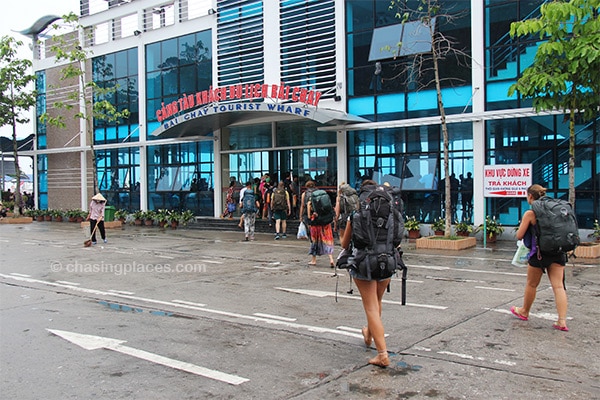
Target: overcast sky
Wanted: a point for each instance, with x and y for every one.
(18, 15)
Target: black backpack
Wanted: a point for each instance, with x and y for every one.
(556, 225)
(249, 202)
(321, 206)
(377, 231)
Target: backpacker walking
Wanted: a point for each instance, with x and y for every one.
(540, 259)
(281, 208)
(249, 206)
(317, 215)
(345, 205)
(372, 236)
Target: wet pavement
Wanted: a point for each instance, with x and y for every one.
(258, 312)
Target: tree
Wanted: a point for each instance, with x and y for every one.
(424, 69)
(15, 98)
(565, 74)
(93, 98)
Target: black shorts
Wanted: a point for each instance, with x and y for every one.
(546, 260)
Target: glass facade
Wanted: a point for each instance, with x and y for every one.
(119, 177)
(40, 109)
(116, 75)
(176, 67)
(394, 89)
(296, 45)
(181, 177)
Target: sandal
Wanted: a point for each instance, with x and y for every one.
(556, 325)
(516, 313)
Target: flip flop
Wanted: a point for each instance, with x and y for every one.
(513, 310)
(560, 328)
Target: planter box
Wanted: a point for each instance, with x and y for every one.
(16, 220)
(433, 242)
(588, 250)
(107, 224)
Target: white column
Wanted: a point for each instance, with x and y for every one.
(143, 131)
(271, 38)
(218, 175)
(478, 79)
(342, 151)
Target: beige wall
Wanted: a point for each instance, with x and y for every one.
(64, 169)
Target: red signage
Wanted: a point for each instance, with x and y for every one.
(510, 180)
(238, 92)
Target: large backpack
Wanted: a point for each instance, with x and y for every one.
(349, 201)
(321, 206)
(556, 225)
(377, 231)
(279, 200)
(249, 202)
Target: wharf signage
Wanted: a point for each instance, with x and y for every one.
(208, 100)
(508, 180)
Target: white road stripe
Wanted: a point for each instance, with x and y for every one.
(22, 275)
(546, 316)
(91, 342)
(319, 293)
(189, 303)
(275, 317)
(493, 288)
(120, 291)
(439, 268)
(310, 328)
(69, 283)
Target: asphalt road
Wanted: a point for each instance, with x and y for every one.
(191, 314)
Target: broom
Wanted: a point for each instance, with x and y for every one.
(88, 242)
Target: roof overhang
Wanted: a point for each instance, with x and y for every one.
(450, 119)
(39, 26)
(204, 120)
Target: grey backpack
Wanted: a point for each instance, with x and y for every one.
(557, 229)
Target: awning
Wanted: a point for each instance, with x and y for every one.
(39, 26)
(26, 144)
(204, 120)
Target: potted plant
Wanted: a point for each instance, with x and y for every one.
(74, 214)
(185, 217)
(438, 226)
(173, 218)
(493, 228)
(463, 228)
(413, 226)
(47, 215)
(595, 231)
(36, 215)
(138, 217)
(148, 217)
(162, 217)
(57, 215)
(121, 215)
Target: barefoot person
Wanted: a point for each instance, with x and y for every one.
(370, 284)
(538, 265)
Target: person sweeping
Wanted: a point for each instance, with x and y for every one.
(96, 216)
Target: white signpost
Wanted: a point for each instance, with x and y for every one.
(506, 180)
